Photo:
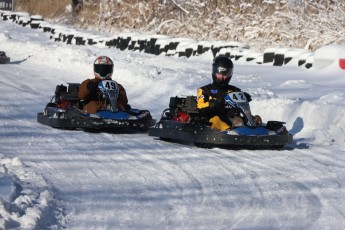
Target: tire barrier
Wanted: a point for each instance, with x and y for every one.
(309, 62)
(302, 59)
(36, 20)
(169, 46)
(279, 56)
(5, 15)
(22, 18)
(255, 57)
(288, 56)
(268, 56)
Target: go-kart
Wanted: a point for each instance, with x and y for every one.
(3, 58)
(65, 111)
(183, 122)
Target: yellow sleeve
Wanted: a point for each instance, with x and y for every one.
(201, 100)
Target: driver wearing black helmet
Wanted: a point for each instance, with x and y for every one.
(210, 98)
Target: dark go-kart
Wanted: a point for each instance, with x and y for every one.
(183, 122)
(65, 111)
(3, 58)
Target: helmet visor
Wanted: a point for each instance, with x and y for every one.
(222, 70)
(103, 70)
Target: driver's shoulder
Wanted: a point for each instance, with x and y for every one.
(89, 80)
(207, 87)
(232, 88)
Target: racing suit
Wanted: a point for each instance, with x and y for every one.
(221, 116)
(93, 97)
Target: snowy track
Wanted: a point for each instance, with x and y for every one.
(154, 184)
(134, 181)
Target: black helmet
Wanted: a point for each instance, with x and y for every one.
(222, 64)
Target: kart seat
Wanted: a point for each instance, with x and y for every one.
(187, 104)
(69, 93)
(72, 92)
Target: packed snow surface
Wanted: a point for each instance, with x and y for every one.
(51, 178)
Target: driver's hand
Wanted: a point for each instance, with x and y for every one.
(217, 103)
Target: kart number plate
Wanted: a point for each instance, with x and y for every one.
(238, 97)
(109, 84)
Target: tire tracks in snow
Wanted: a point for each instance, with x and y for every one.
(181, 188)
(266, 182)
(215, 190)
(278, 189)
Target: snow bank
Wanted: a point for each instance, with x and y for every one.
(26, 199)
(321, 122)
(330, 56)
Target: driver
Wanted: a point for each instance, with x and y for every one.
(210, 98)
(88, 90)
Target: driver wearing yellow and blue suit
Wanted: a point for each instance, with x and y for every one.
(210, 98)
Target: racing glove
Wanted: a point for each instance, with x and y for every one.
(232, 113)
(128, 107)
(92, 86)
(217, 104)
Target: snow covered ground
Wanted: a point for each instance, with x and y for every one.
(57, 179)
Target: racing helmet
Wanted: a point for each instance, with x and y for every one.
(103, 68)
(224, 65)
